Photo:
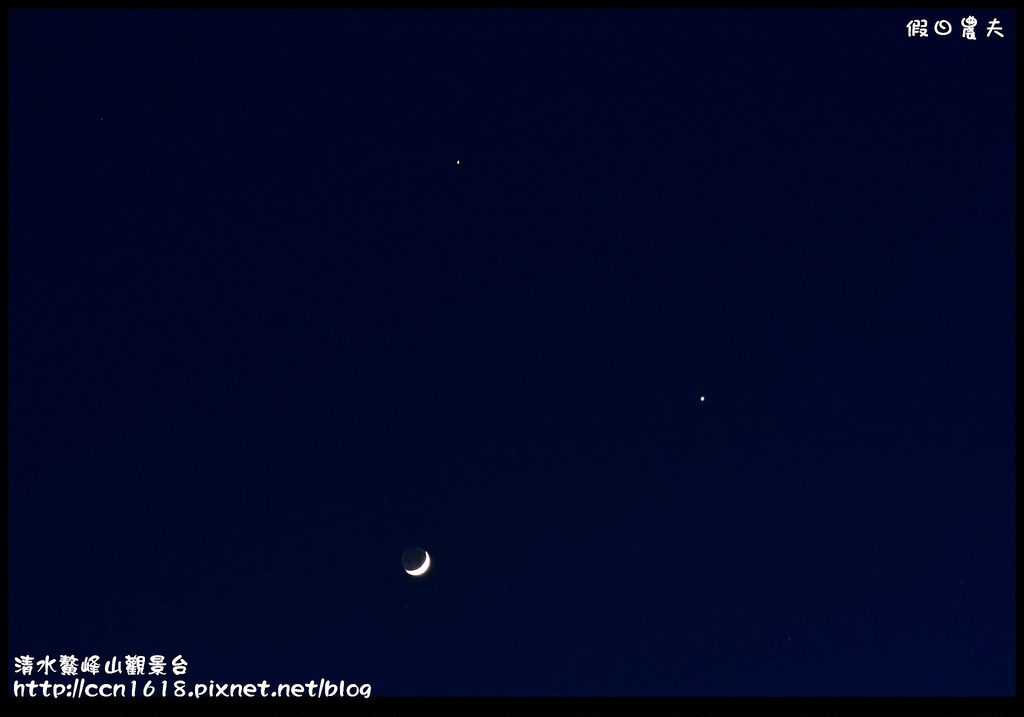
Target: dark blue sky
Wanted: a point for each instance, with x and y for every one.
(292, 292)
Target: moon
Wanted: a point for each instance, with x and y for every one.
(416, 561)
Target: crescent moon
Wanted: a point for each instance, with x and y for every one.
(423, 568)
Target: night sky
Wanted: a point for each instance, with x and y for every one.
(291, 292)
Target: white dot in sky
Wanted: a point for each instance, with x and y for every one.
(701, 398)
(456, 161)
